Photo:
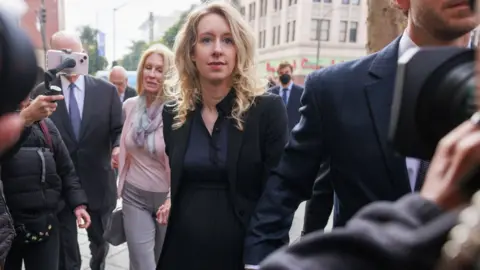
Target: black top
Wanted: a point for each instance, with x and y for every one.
(207, 154)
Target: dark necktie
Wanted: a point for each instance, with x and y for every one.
(285, 95)
(422, 172)
(75, 118)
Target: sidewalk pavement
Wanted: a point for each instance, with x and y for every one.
(117, 258)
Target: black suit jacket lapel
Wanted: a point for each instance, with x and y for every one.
(88, 104)
(181, 137)
(61, 115)
(379, 93)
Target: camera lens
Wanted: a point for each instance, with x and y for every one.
(85, 57)
(81, 61)
(447, 98)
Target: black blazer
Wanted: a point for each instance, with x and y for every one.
(129, 93)
(345, 118)
(99, 134)
(251, 152)
(293, 105)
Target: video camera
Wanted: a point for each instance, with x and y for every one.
(435, 91)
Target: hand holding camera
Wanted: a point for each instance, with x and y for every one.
(41, 107)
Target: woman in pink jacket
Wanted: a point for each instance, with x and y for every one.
(144, 174)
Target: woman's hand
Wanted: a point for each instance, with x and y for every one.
(163, 212)
(456, 156)
(83, 218)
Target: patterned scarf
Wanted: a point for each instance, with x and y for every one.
(146, 122)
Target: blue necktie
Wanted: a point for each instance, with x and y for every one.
(75, 118)
(284, 95)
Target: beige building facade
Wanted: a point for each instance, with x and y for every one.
(310, 34)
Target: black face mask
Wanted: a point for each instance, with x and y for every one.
(285, 78)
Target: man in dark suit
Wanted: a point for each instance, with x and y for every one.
(289, 92)
(90, 122)
(345, 117)
(119, 78)
(409, 233)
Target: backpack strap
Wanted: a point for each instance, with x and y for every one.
(46, 133)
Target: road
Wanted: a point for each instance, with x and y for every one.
(118, 256)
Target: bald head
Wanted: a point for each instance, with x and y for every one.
(64, 40)
(119, 77)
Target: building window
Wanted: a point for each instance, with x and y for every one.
(263, 8)
(327, 1)
(343, 31)
(280, 4)
(251, 11)
(292, 2)
(242, 11)
(345, 2)
(274, 35)
(262, 39)
(293, 30)
(264, 43)
(317, 1)
(324, 26)
(275, 5)
(278, 34)
(355, 2)
(353, 32)
(288, 32)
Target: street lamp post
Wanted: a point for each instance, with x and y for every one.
(42, 18)
(319, 38)
(115, 28)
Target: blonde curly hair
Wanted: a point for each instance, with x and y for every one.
(185, 88)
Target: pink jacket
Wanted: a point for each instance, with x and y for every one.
(128, 109)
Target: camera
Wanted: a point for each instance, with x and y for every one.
(56, 59)
(434, 93)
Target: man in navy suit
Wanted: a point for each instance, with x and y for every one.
(290, 93)
(344, 122)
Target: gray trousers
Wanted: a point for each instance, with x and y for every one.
(143, 233)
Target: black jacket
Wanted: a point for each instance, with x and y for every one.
(38, 179)
(251, 152)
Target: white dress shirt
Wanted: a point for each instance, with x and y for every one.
(413, 164)
(79, 92)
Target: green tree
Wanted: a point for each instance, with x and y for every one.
(88, 36)
(169, 37)
(130, 60)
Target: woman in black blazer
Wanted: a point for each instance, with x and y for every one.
(223, 134)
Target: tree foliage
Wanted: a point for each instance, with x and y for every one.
(88, 36)
(130, 60)
(169, 37)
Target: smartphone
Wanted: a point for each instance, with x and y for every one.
(55, 58)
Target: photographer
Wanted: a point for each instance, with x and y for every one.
(407, 234)
(38, 180)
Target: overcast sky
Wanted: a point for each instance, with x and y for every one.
(99, 14)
